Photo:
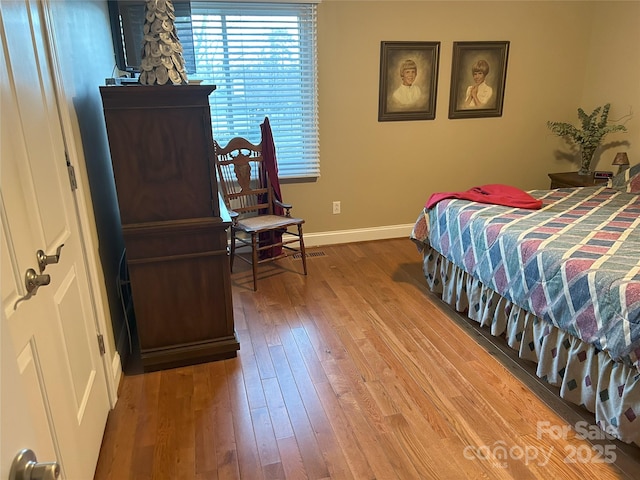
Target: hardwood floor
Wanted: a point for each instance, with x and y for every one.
(353, 372)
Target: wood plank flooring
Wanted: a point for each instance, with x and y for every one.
(353, 372)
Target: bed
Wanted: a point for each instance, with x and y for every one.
(561, 285)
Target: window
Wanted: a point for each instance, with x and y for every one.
(262, 59)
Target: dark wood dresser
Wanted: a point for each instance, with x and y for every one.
(572, 179)
(174, 223)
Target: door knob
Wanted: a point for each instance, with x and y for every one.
(44, 259)
(33, 281)
(25, 466)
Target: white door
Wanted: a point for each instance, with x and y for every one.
(53, 333)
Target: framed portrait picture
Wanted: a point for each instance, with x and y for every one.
(408, 80)
(478, 77)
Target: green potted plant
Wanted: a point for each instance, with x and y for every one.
(589, 137)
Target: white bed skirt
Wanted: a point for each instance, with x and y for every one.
(585, 375)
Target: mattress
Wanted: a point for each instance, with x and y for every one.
(574, 263)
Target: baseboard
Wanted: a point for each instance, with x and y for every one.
(357, 235)
(116, 368)
(122, 345)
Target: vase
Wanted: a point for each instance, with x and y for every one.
(586, 157)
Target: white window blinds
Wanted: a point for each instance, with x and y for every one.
(262, 58)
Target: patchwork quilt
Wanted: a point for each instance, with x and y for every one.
(574, 263)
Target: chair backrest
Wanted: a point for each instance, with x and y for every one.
(243, 178)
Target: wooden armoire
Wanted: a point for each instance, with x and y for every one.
(173, 221)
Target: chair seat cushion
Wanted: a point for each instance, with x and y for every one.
(266, 222)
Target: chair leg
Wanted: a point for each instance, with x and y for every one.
(232, 253)
(254, 261)
(303, 252)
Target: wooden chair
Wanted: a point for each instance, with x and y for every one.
(249, 197)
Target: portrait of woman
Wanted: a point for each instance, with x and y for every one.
(478, 78)
(479, 94)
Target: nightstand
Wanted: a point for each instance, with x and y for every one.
(572, 179)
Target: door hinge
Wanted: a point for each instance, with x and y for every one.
(72, 173)
(101, 344)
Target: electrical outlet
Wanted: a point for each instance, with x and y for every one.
(336, 207)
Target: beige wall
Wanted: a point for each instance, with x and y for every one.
(563, 55)
(613, 73)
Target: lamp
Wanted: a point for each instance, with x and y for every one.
(622, 160)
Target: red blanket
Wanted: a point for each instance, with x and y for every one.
(496, 194)
(271, 167)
